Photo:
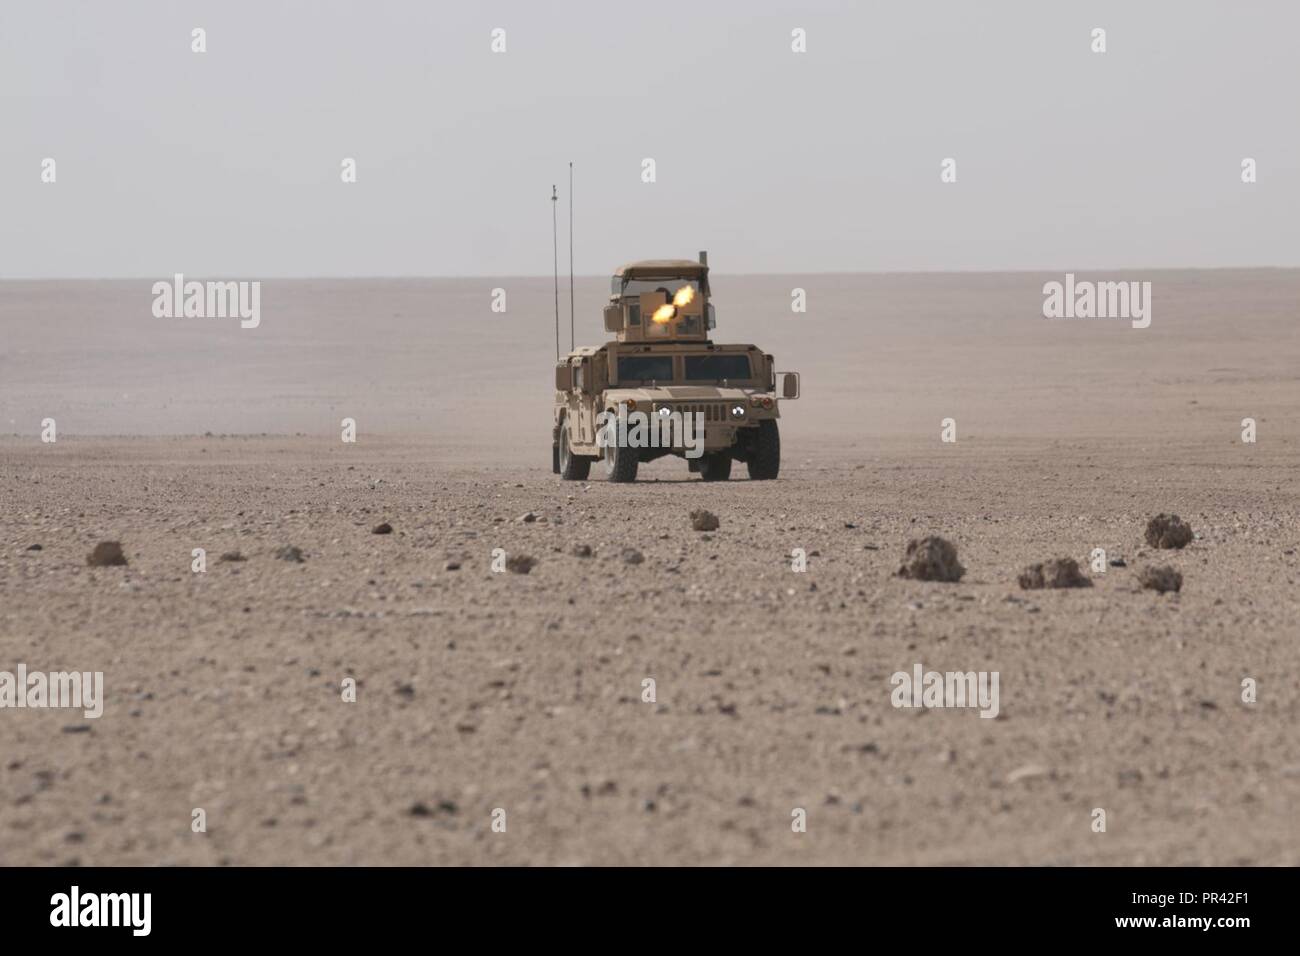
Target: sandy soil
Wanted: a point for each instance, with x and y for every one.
(479, 690)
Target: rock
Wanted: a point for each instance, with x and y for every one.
(232, 556)
(1168, 531)
(384, 528)
(1117, 563)
(1057, 573)
(520, 564)
(931, 559)
(632, 556)
(582, 550)
(451, 566)
(528, 517)
(702, 520)
(33, 547)
(1162, 579)
(106, 553)
(1031, 578)
(290, 553)
(1028, 772)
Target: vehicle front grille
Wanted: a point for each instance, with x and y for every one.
(712, 411)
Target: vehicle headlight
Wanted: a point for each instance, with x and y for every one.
(737, 411)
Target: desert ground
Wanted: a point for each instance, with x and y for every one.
(479, 691)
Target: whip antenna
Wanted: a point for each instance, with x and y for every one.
(570, 256)
(555, 251)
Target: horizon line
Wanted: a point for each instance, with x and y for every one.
(154, 277)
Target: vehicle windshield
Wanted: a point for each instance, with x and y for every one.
(668, 286)
(645, 368)
(717, 368)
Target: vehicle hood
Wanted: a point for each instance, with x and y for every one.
(680, 393)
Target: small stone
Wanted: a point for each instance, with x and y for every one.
(1161, 579)
(1117, 563)
(384, 528)
(632, 556)
(931, 559)
(1168, 531)
(702, 520)
(232, 556)
(106, 553)
(290, 553)
(582, 550)
(1057, 573)
(1028, 772)
(1129, 777)
(528, 517)
(520, 564)
(451, 566)
(33, 547)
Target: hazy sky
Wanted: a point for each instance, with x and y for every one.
(227, 163)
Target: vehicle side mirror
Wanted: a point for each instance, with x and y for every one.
(613, 318)
(789, 384)
(563, 377)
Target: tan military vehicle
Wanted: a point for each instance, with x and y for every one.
(664, 368)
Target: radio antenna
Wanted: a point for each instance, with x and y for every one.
(570, 256)
(555, 251)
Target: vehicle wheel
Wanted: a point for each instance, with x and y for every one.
(715, 466)
(620, 462)
(572, 467)
(765, 453)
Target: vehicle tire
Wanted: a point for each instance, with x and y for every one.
(620, 462)
(765, 453)
(715, 466)
(572, 467)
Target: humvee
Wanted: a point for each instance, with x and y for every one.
(661, 363)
